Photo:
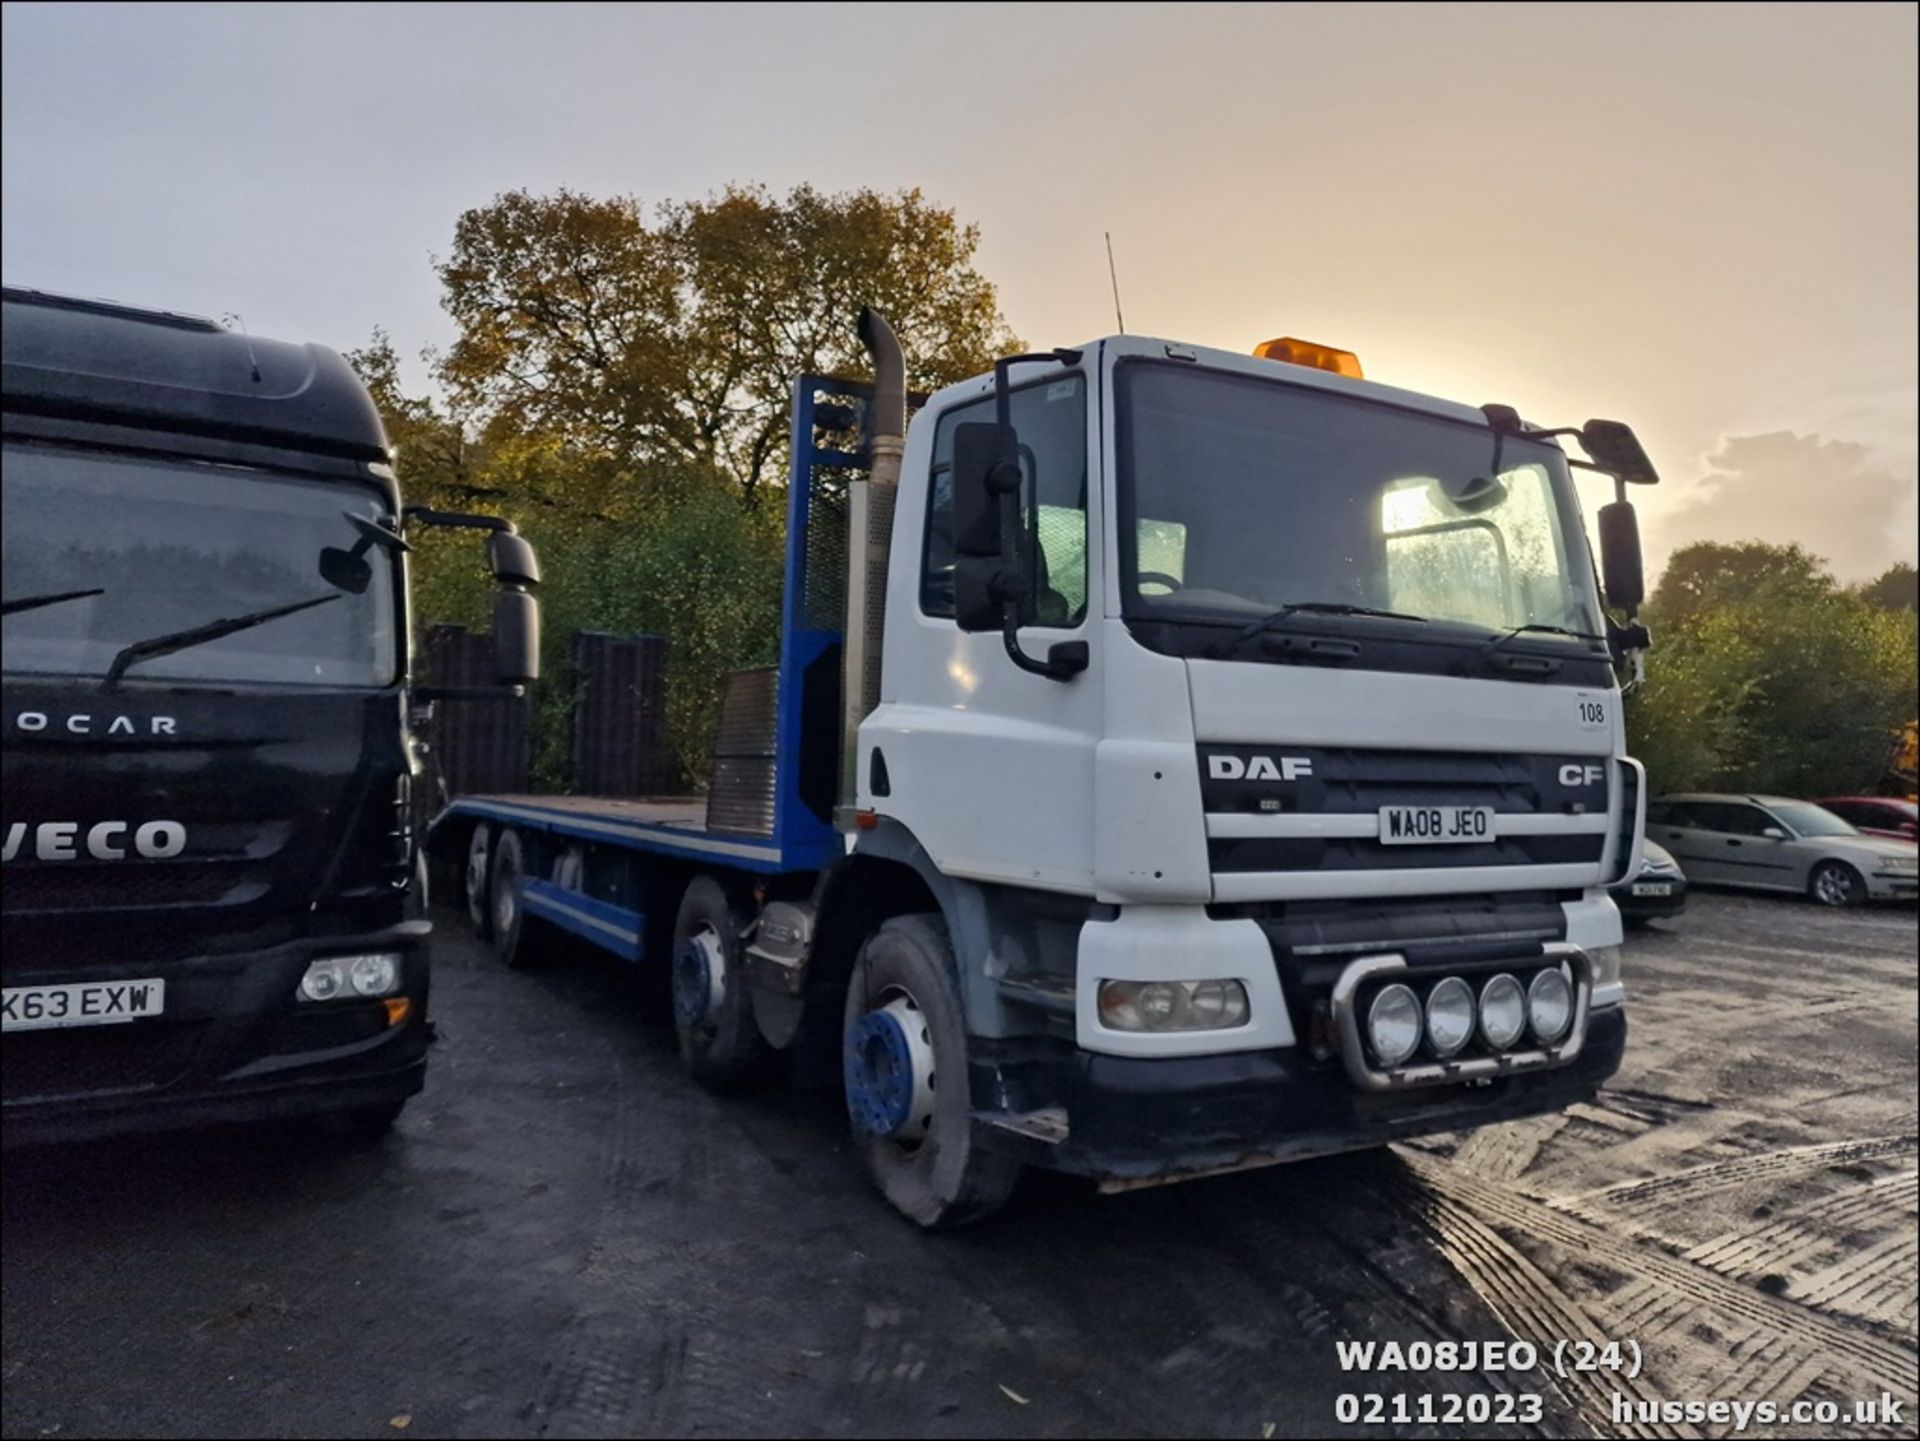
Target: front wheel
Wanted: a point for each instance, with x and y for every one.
(1837, 884)
(904, 1053)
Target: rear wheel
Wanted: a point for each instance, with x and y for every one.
(904, 1051)
(712, 1011)
(506, 904)
(1835, 883)
(479, 863)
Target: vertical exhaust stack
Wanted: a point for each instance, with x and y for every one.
(869, 536)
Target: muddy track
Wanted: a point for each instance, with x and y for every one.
(1664, 1296)
(1716, 1175)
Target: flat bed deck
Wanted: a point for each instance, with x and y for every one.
(674, 825)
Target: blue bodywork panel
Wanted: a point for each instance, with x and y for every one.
(613, 928)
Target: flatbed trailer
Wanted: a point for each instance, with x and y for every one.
(1124, 871)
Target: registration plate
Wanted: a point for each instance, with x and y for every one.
(84, 1003)
(1435, 825)
(1652, 888)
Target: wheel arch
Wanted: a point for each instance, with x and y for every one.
(889, 874)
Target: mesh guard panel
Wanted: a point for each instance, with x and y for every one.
(741, 799)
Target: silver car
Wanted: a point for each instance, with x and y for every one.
(1782, 845)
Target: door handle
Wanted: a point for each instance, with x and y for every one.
(1733, 843)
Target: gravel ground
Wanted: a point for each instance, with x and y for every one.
(564, 1237)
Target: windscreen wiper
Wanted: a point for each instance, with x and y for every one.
(1544, 630)
(213, 630)
(1319, 607)
(34, 602)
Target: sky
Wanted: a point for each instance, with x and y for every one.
(1699, 220)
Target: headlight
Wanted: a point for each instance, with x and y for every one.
(1449, 1017)
(1173, 1005)
(1393, 1024)
(1503, 1011)
(1900, 864)
(323, 981)
(1549, 1006)
(1605, 961)
(336, 976)
(375, 975)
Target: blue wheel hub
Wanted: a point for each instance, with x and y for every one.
(879, 1074)
(692, 983)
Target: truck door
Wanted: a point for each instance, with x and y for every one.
(989, 766)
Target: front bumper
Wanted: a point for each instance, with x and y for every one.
(1126, 1119)
(1893, 885)
(232, 1045)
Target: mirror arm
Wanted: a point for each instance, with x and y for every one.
(1067, 659)
(456, 519)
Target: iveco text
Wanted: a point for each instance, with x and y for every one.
(57, 840)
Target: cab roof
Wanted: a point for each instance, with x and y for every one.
(99, 361)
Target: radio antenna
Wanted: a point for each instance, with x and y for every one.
(1114, 276)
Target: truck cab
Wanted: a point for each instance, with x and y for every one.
(214, 905)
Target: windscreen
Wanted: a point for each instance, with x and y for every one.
(1808, 819)
(103, 552)
(1246, 495)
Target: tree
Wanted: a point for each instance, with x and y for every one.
(670, 552)
(1767, 675)
(1709, 573)
(678, 340)
(1896, 588)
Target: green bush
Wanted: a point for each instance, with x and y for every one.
(696, 567)
(1766, 675)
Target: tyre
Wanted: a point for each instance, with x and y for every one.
(904, 1052)
(479, 866)
(506, 903)
(1837, 884)
(720, 1042)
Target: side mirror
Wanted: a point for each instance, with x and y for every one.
(1617, 450)
(1622, 569)
(511, 559)
(1774, 833)
(345, 570)
(516, 637)
(986, 472)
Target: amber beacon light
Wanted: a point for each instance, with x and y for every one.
(1305, 352)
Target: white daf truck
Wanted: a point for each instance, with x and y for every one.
(1177, 761)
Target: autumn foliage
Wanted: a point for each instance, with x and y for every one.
(619, 385)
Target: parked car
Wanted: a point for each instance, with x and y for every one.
(1776, 844)
(1878, 815)
(1657, 890)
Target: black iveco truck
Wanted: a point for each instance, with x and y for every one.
(212, 905)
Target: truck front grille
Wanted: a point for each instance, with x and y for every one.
(1315, 808)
